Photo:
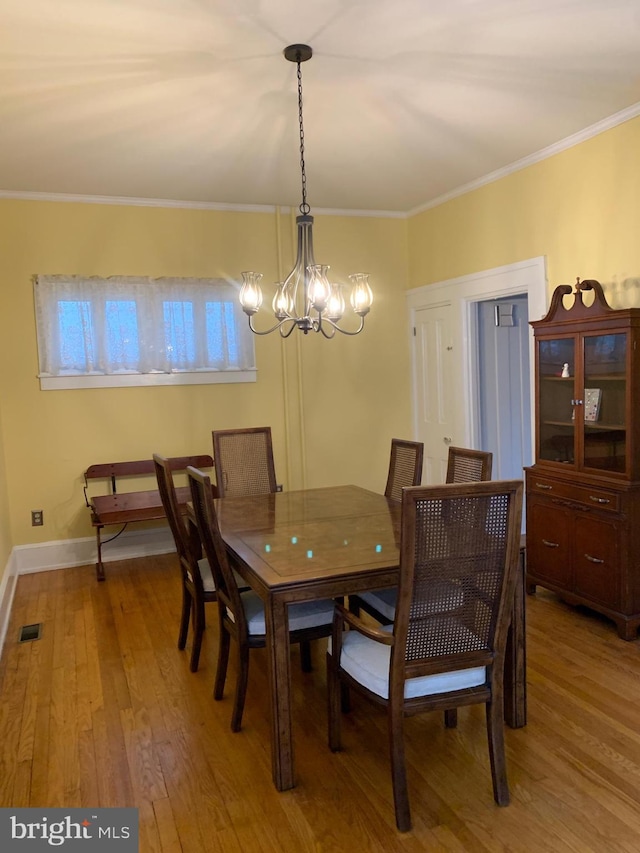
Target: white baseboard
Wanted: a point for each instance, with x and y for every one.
(62, 554)
(7, 590)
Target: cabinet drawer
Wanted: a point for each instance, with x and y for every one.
(593, 497)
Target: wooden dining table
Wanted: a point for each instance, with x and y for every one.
(327, 543)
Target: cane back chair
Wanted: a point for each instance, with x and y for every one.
(241, 614)
(463, 466)
(405, 467)
(459, 541)
(243, 460)
(197, 581)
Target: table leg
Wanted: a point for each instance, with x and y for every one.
(515, 664)
(277, 624)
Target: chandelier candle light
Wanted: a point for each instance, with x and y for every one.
(306, 299)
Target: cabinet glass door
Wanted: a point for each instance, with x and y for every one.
(605, 431)
(556, 427)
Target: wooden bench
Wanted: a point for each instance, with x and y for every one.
(124, 507)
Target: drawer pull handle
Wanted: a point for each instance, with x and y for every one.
(593, 559)
(599, 500)
(543, 486)
(550, 544)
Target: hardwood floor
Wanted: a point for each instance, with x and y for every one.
(103, 711)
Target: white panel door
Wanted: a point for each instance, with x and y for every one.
(434, 382)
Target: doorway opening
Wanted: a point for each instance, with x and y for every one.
(503, 384)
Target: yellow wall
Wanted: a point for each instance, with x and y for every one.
(580, 208)
(333, 405)
(337, 402)
(356, 390)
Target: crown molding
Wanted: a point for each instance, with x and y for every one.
(379, 214)
(544, 154)
(135, 202)
(188, 205)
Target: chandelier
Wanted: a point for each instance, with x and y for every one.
(306, 299)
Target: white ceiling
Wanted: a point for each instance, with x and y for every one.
(404, 100)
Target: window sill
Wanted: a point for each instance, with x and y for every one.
(132, 380)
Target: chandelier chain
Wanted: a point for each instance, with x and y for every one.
(304, 207)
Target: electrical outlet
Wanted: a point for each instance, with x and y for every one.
(36, 518)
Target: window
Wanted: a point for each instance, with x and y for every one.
(111, 332)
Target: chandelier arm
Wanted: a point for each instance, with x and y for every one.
(344, 331)
(272, 329)
(294, 325)
(322, 328)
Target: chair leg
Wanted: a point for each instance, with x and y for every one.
(345, 698)
(334, 691)
(184, 618)
(451, 718)
(198, 630)
(241, 687)
(495, 735)
(398, 769)
(223, 661)
(354, 605)
(305, 656)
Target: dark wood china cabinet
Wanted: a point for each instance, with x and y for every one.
(583, 492)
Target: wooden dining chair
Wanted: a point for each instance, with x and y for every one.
(241, 614)
(197, 580)
(457, 536)
(465, 465)
(243, 460)
(198, 586)
(405, 469)
(243, 463)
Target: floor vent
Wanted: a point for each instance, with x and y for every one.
(30, 632)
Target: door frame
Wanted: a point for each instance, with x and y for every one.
(462, 293)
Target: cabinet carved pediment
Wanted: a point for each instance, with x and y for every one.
(578, 309)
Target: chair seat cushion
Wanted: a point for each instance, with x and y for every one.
(207, 577)
(306, 614)
(448, 596)
(367, 661)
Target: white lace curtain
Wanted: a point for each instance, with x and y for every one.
(127, 325)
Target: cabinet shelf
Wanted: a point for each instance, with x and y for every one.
(588, 425)
(600, 426)
(593, 377)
